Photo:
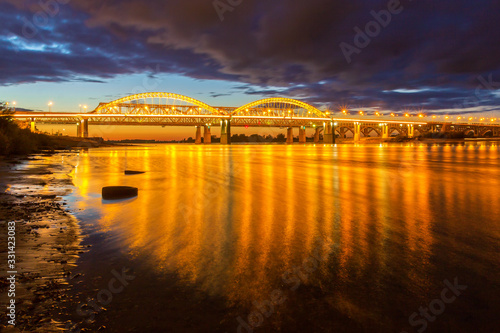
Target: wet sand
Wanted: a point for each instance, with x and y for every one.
(47, 242)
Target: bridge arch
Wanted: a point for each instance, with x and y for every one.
(400, 130)
(366, 130)
(286, 105)
(342, 131)
(132, 104)
(487, 132)
(469, 133)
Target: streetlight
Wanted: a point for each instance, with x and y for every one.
(50, 106)
(14, 103)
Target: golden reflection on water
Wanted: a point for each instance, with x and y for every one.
(232, 220)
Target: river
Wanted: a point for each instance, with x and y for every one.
(291, 238)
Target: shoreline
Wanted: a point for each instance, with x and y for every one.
(47, 241)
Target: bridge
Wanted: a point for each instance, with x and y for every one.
(168, 109)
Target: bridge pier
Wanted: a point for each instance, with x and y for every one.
(85, 128)
(316, 134)
(434, 128)
(289, 135)
(197, 139)
(302, 134)
(82, 128)
(411, 131)
(32, 125)
(357, 132)
(207, 135)
(385, 131)
(225, 132)
(445, 128)
(329, 133)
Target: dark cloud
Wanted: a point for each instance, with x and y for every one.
(438, 49)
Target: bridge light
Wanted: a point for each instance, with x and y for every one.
(392, 115)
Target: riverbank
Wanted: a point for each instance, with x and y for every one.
(47, 241)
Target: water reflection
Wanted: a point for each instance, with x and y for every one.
(232, 220)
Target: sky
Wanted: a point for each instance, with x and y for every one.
(437, 57)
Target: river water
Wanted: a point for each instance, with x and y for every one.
(292, 238)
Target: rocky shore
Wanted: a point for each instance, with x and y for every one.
(47, 242)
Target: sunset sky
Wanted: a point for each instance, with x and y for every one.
(440, 57)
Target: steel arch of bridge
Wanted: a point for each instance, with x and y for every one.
(283, 100)
(136, 97)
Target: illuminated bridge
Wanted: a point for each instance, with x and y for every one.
(167, 109)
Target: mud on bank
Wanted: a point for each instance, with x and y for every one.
(47, 241)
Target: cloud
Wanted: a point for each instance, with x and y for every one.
(274, 47)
